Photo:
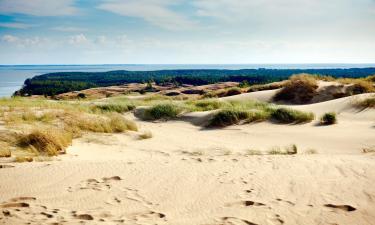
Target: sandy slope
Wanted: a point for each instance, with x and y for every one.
(186, 175)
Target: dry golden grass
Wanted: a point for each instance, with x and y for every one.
(145, 135)
(4, 150)
(49, 142)
(48, 127)
(298, 89)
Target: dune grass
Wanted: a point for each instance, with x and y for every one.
(114, 107)
(50, 142)
(163, 111)
(328, 118)
(145, 135)
(288, 150)
(300, 88)
(252, 111)
(367, 103)
(46, 127)
(285, 115)
(4, 150)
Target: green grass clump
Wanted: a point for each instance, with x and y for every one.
(284, 115)
(328, 118)
(207, 105)
(228, 117)
(114, 107)
(162, 111)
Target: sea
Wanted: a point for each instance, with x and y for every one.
(12, 77)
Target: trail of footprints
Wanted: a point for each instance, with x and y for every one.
(27, 208)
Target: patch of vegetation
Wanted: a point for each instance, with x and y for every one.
(145, 135)
(48, 127)
(207, 104)
(233, 91)
(114, 107)
(253, 152)
(284, 115)
(311, 151)
(367, 103)
(328, 118)
(264, 87)
(298, 89)
(4, 151)
(289, 150)
(49, 142)
(162, 111)
(369, 150)
(228, 117)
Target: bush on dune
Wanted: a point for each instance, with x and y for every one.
(298, 89)
(328, 118)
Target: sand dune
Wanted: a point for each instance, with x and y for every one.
(188, 175)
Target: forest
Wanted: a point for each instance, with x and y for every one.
(56, 83)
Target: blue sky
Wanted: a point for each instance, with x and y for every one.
(182, 31)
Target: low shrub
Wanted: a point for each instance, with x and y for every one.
(298, 89)
(284, 115)
(328, 118)
(162, 111)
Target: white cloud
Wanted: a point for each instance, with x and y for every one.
(156, 12)
(78, 39)
(16, 25)
(68, 29)
(9, 38)
(38, 7)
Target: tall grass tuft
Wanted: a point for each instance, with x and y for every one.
(163, 111)
(284, 115)
(49, 142)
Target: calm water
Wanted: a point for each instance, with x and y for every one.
(12, 77)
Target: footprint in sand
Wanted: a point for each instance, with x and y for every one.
(246, 203)
(94, 184)
(235, 221)
(150, 216)
(347, 208)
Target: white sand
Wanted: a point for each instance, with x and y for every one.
(186, 175)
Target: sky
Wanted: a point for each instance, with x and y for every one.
(186, 31)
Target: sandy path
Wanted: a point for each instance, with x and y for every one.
(187, 175)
